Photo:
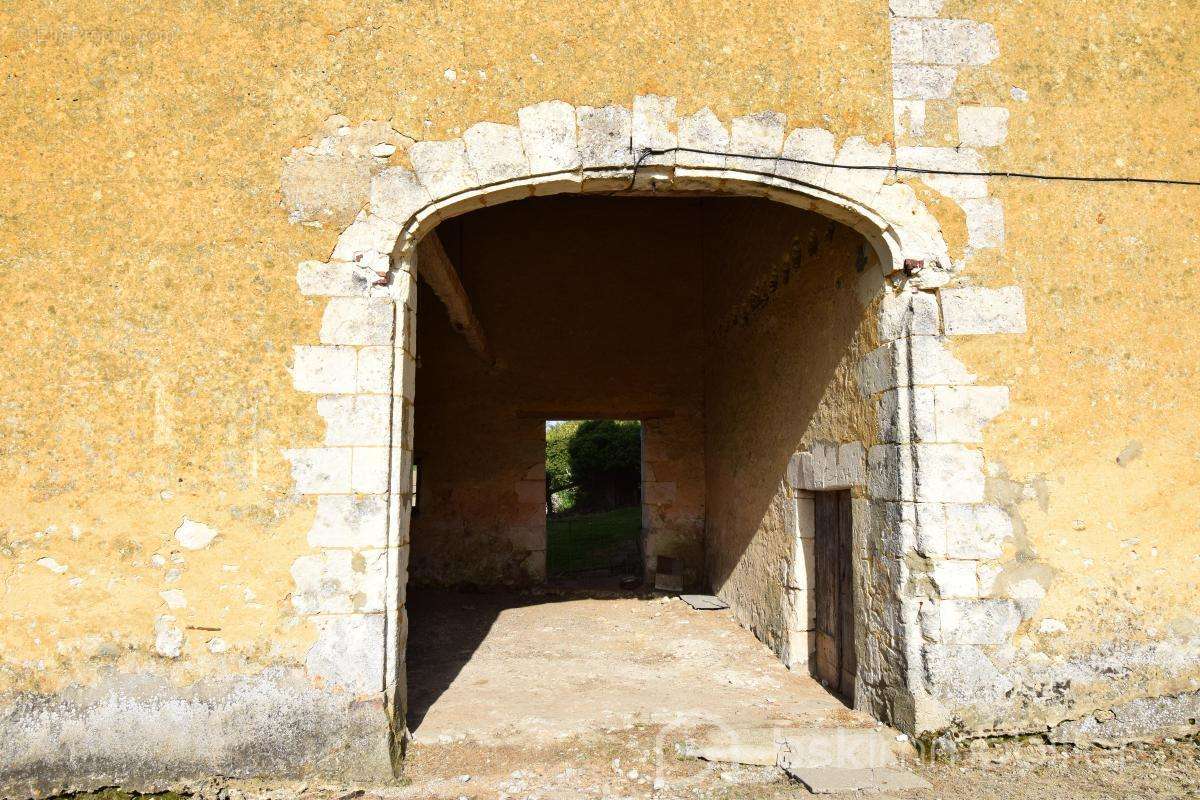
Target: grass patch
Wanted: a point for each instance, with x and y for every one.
(593, 541)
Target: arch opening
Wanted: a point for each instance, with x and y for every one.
(731, 327)
(560, 154)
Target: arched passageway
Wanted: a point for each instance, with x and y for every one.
(732, 328)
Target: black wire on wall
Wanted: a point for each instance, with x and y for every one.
(898, 168)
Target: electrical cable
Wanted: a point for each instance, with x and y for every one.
(898, 168)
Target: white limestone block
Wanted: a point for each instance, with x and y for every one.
(702, 131)
(405, 380)
(963, 675)
(372, 586)
(876, 371)
(932, 364)
(828, 465)
(654, 122)
(338, 279)
(908, 118)
(978, 622)
(362, 321)
(961, 412)
(909, 421)
(906, 313)
(339, 582)
(956, 187)
(861, 184)
(890, 527)
(374, 372)
(351, 521)
(805, 515)
(800, 609)
(967, 530)
(801, 572)
(370, 470)
(320, 470)
(349, 652)
(495, 152)
(956, 578)
(907, 41)
(356, 419)
(887, 469)
(368, 239)
(982, 126)
(911, 361)
(797, 649)
(549, 135)
(323, 369)
(958, 42)
(807, 145)
(985, 222)
(398, 194)
(759, 134)
(948, 473)
(605, 137)
(325, 583)
(922, 82)
(981, 310)
(443, 167)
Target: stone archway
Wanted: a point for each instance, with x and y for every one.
(920, 482)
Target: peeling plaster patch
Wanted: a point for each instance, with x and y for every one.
(174, 598)
(194, 535)
(52, 565)
(274, 722)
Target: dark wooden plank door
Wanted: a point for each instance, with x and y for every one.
(833, 549)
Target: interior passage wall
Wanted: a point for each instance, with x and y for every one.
(784, 327)
(592, 308)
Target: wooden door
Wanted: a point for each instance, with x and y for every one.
(834, 596)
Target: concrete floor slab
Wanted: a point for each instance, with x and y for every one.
(496, 667)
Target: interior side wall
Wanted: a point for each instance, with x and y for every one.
(784, 328)
(592, 308)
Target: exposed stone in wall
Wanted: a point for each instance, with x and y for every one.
(327, 181)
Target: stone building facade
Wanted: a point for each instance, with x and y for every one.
(293, 255)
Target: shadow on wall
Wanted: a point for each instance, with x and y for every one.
(784, 328)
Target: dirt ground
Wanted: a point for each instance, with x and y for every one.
(628, 764)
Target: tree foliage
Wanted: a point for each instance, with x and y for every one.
(603, 447)
(558, 456)
(591, 457)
